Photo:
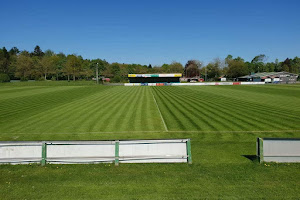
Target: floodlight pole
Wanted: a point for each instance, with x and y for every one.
(205, 74)
(200, 64)
(97, 79)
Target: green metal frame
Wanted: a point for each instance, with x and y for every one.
(261, 150)
(189, 151)
(44, 154)
(117, 144)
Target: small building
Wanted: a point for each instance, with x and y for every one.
(154, 78)
(271, 77)
(191, 79)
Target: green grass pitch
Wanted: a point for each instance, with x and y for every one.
(222, 122)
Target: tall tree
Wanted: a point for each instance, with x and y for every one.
(24, 66)
(236, 68)
(213, 70)
(4, 61)
(73, 66)
(37, 51)
(176, 67)
(228, 59)
(14, 51)
(48, 64)
(192, 68)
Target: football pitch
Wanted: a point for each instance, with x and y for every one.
(223, 123)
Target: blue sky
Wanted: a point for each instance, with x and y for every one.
(154, 31)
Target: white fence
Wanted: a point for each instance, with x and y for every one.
(75, 152)
(194, 84)
(278, 149)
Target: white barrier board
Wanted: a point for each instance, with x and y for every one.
(152, 151)
(76, 152)
(20, 152)
(279, 149)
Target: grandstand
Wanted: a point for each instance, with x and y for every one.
(154, 78)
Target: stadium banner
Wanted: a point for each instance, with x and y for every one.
(236, 83)
(83, 152)
(196, 84)
(131, 75)
(132, 84)
(253, 83)
(278, 149)
(154, 75)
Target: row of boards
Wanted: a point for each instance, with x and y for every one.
(194, 84)
(131, 151)
(74, 152)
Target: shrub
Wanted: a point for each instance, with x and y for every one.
(24, 79)
(4, 78)
(116, 79)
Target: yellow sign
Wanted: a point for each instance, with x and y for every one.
(131, 75)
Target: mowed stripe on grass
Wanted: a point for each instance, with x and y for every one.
(101, 109)
(222, 123)
(224, 108)
(82, 109)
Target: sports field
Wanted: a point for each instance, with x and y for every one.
(222, 122)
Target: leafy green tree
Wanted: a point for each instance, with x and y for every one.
(175, 67)
(4, 78)
(102, 65)
(86, 70)
(259, 58)
(295, 65)
(270, 67)
(72, 66)
(228, 59)
(60, 60)
(14, 51)
(213, 70)
(47, 64)
(25, 66)
(115, 69)
(236, 68)
(165, 68)
(4, 61)
(277, 66)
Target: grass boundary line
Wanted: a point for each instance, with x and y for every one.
(104, 132)
(162, 119)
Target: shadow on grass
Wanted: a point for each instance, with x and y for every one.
(253, 158)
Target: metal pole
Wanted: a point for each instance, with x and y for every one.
(189, 151)
(117, 143)
(205, 75)
(97, 74)
(44, 154)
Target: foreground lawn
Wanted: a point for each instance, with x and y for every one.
(223, 123)
(222, 168)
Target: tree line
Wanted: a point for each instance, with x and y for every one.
(47, 65)
(233, 68)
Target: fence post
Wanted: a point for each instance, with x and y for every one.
(117, 152)
(261, 150)
(189, 151)
(44, 154)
